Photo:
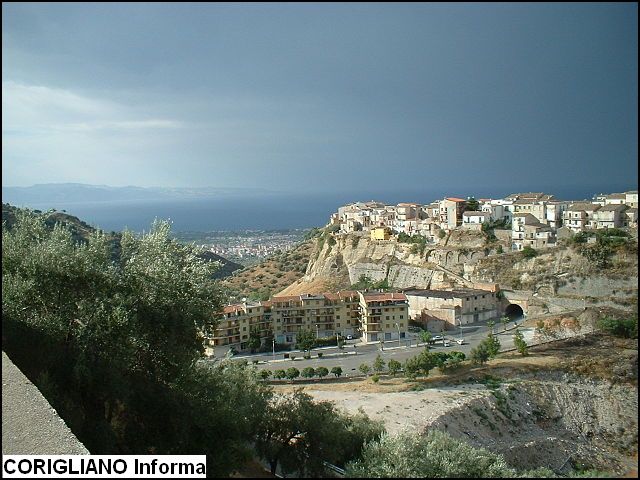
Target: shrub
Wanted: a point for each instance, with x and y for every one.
(292, 356)
(319, 354)
(394, 366)
(308, 372)
(322, 372)
(264, 374)
(293, 373)
(528, 252)
(620, 327)
(337, 371)
(364, 368)
(279, 374)
(375, 378)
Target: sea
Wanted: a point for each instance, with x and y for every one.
(273, 211)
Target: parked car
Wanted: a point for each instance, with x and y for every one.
(460, 341)
(446, 343)
(436, 338)
(349, 337)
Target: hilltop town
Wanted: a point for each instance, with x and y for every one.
(368, 312)
(536, 220)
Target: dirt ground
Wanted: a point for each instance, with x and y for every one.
(601, 370)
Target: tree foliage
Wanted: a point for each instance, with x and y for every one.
(434, 455)
(305, 340)
(394, 366)
(520, 343)
(364, 368)
(620, 327)
(378, 364)
(300, 434)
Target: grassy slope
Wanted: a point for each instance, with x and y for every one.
(272, 275)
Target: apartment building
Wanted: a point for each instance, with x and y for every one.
(474, 220)
(526, 230)
(236, 323)
(579, 216)
(290, 314)
(610, 216)
(283, 317)
(454, 307)
(380, 233)
(383, 316)
(450, 212)
(631, 198)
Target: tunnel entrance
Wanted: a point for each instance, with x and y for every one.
(514, 312)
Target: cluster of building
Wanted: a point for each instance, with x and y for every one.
(371, 316)
(536, 219)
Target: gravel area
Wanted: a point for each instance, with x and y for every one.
(30, 426)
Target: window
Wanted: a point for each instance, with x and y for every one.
(337, 317)
(244, 329)
(387, 325)
(387, 317)
(401, 317)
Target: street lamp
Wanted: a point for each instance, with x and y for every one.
(398, 333)
(317, 332)
(274, 348)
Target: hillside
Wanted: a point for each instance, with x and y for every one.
(271, 275)
(81, 231)
(555, 279)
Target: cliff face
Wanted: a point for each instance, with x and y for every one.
(401, 264)
(560, 277)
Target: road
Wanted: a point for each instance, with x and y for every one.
(356, 353)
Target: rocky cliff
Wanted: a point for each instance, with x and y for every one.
(556, 279)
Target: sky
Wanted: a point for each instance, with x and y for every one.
(321, 97)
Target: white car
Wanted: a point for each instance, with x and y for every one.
(460, 341)
(349, 337)
(445, 343)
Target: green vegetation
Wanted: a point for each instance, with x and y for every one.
(434, 455)
(308, 372)
(300, 435)
(422, 363)
(292, 373)
(471, 205)
(487, 349)
(620, 327)
(364, 368)
(366, 283)
(394, 366)
(337, 371)
(378, 364)
(322, 372)
(528, 252)
(607, 242)
(520, 343)
(255, 341)
(306, 340)
(418, 242)
(113, 342)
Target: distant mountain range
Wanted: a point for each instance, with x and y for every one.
(70, 193)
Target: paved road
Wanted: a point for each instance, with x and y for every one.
(356, 353)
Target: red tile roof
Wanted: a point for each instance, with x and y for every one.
(381, 297)
(455, 199)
